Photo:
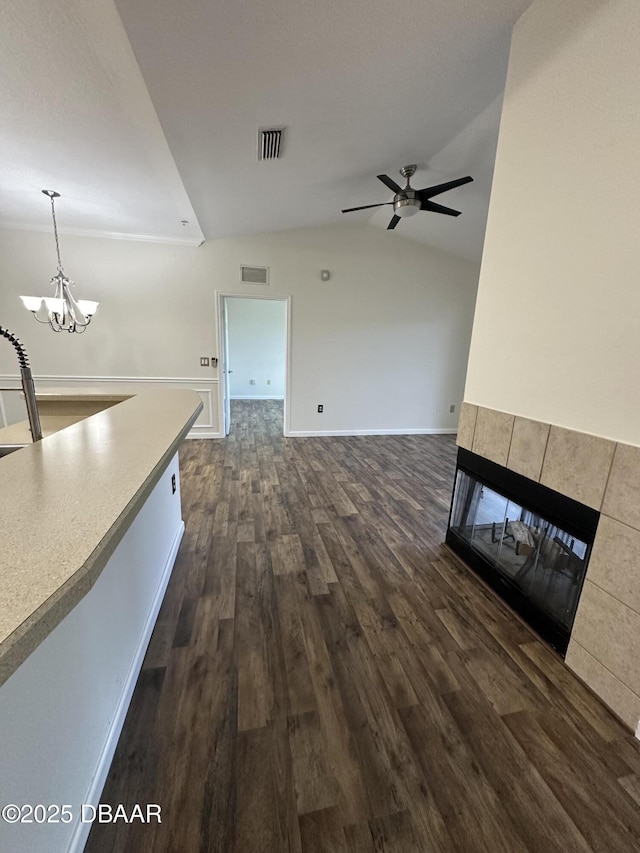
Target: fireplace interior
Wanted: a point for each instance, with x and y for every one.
(531, 544)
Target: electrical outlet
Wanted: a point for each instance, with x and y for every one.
(173, 484)
(268, 382)
(452, 408)
(320, 408)
(252, 382)
(204, 361)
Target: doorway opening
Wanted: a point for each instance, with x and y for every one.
(254, 336)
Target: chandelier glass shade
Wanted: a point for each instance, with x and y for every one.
(62, 311)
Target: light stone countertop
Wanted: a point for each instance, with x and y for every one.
(67, 501)
(82, 397)
(20, 434)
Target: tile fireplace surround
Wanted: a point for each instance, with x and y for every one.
(604, 650)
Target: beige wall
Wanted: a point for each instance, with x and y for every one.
(383, 345)
(556, 334)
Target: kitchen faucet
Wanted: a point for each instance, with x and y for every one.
(27, 385)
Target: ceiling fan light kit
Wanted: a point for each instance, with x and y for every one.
(407, 201)
(409, 204)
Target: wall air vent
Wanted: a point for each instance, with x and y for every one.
(270, 143)
(254, 275)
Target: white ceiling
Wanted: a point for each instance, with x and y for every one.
(147, 114)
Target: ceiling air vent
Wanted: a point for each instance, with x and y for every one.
(269, 142)
(254, 275)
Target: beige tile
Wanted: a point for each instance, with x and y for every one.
(577, 464)
(615, 561)
(622, 701)
(466, 425)
(493, 435)
(610, 631)
(528, 443)
(622, 497)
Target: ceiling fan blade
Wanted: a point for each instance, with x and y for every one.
(394, 221)
(439, 208)
(386, 180)
(428, 192)
(366, 206)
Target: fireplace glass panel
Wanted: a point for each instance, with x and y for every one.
(544, 562)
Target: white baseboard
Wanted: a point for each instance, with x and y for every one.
(255, 397)
(81, 833)
(305, 433)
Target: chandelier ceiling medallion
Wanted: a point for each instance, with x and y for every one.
(61, 311)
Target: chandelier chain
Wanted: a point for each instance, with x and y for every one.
(55, 231)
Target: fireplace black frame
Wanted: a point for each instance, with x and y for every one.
(575, 518)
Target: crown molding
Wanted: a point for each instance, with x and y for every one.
(192, 242)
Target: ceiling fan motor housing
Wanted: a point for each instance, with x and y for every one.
(406, 203)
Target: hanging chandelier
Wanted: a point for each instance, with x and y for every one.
(61, 311)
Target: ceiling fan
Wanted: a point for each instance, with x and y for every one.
(408, 201)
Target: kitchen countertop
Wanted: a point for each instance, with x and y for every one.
(67, 501)
(20, 434)
(58, 411)
(82, 397)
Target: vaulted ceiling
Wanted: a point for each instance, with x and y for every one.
(145, 113)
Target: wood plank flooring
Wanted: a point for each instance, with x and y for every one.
(326, 677)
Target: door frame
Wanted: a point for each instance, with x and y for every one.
(222, 383)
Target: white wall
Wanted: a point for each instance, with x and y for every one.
(155, 314)
(383, 345)
(256, 334)
(556, 335)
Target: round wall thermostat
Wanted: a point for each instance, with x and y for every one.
(325, 275)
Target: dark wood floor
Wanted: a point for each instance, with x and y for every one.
(325, 676)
